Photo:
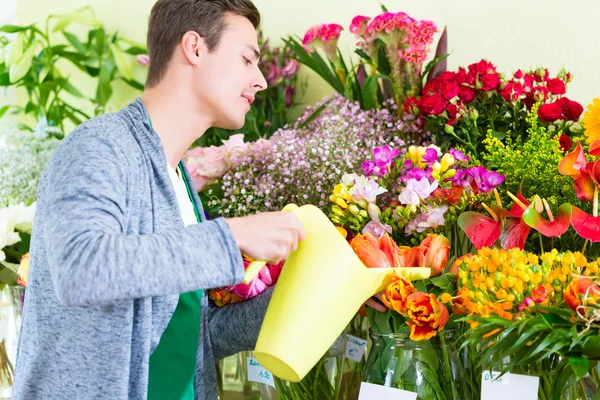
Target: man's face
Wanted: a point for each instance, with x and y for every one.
(228, 78)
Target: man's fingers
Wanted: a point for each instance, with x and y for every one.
(375, 305)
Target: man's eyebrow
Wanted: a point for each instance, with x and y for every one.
(256, 52)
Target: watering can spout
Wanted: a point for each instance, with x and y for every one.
(320, 289)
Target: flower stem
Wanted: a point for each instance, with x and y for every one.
(447, 365)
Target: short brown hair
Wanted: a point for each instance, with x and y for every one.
(171, 19)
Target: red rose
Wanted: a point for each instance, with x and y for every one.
(449, 89)
(550, 112)
(462, 77)
(556, 86)
(571, 109)
(411, 105)
(452, 110)
(483, 67)
(528, 80)
(432, 105)
(490, 81)
(518, 74)
(466, 94)
(565, 143)
(512, 91)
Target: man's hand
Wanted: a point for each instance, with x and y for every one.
(269, 236)
(375, 303)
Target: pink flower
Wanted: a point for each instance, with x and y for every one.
(413, 55)
(235, 148)
(206, 164)
(143, 59)
(274, 74)
(358, 26)
(384, 155)
(290, 69)
(417, 190)
(323, 36)
(266, 278)
(377, 229)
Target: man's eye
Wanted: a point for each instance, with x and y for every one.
(246, 61)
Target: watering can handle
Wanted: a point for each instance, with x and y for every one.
(256, 265)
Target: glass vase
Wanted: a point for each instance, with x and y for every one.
(430, 368)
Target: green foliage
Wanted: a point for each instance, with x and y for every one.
(29, 59)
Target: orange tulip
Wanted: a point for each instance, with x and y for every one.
(435, 249)
(411, 257)
(579, 292)
(396, 294)
(426, 315)
(390, 249)
(367, 249)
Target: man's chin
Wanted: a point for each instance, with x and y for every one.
(232, 125)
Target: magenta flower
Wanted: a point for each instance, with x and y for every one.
(458, 155)
(266, 277)
(431, 155)
(323, 36)
(358, 26)
(290, 69)
(384, 155)
(485, 180)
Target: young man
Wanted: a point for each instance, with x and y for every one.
(114, 307)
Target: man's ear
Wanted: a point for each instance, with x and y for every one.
(193, 47)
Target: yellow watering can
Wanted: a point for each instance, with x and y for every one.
(320, 289)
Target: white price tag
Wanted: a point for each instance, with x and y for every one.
(369, 391)
(355, 348)
(496, 387)
(257, 373)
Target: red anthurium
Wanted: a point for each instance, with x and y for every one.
(587, 226)
(551, 227)
(482, 231)
(514, 233)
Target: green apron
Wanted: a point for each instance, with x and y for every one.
(173, 362)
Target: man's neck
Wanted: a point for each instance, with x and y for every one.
(176, 122)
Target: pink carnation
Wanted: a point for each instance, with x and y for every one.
(266, 278)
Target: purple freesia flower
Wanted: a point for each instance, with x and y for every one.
(370, 168)
(417, 173)
(458, 155)
(485, 180)
(384, 155)
(408, 164)
(430, 156)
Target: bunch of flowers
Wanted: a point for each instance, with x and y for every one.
(392, 46)
(23, 157)
(409, 195)
(300, 165)
(527, 309)
(468, 103)
(266, 278)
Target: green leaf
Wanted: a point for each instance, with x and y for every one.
(104, 90)
(3, 110)
(591, 347)
(369, 92)
(432, 63)
(4, 79)
(446, 282)
(123, 63)
(136, 51)
(134, 84)
(383, 322)
(74, 40)
(70, 88)
(8, 276)
(580, 366)
(14, 28)
(30, 107)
